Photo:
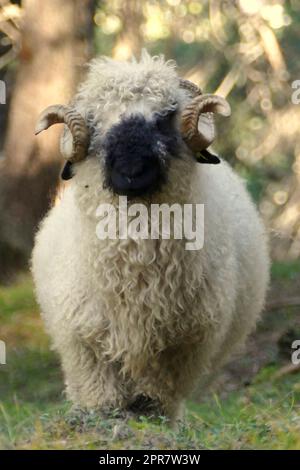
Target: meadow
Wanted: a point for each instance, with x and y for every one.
(252, 404)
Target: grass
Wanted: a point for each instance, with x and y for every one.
(35, 415)
(286, 270)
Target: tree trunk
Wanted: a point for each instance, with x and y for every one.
(129, 41)
(56, 42)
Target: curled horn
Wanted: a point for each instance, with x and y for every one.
(64, 114)
(197, 122)
(190, 86)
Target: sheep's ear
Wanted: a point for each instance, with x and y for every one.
(67, 172)
(207, 157)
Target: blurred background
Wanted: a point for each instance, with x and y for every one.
(247, 51)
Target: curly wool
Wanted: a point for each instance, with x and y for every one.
(134, 318)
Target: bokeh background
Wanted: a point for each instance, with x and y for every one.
(244, 50)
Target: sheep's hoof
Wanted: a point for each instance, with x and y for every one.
(145, 406)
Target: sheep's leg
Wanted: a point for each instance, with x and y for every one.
(169, 379)
(144, 405)
(159, 404)
(154, 407)
(90, 382)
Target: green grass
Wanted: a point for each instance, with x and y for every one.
(35, 415)
(18, 298)
(286, 270)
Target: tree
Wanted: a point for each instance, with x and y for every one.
(55, 43)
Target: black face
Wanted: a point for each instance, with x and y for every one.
(138, 154)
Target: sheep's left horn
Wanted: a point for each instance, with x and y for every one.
(197, 122)
(64, 114)
(190, 86)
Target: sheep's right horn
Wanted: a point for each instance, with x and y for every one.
(64, 114)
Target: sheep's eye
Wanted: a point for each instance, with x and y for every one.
(164, 119)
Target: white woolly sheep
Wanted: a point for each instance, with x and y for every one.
(138, 323)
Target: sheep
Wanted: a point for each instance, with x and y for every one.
(139, 323)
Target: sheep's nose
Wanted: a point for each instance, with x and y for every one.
(133, 170)
(134, 180)
(132, 161)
